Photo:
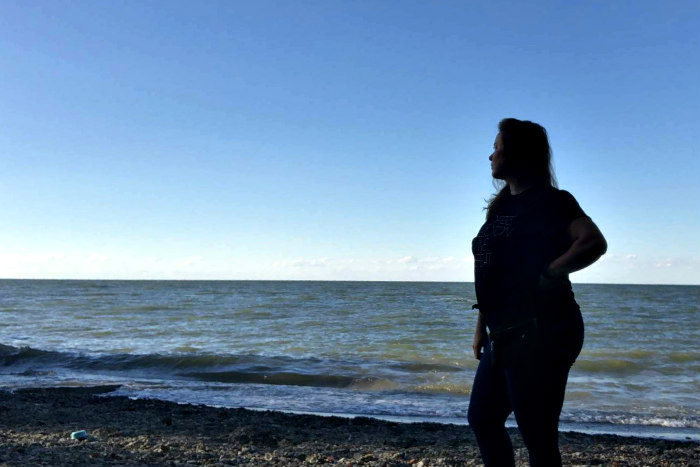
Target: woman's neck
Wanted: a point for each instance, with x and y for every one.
(518, 186)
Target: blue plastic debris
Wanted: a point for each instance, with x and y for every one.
(82, 434)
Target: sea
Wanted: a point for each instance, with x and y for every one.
(392, 350)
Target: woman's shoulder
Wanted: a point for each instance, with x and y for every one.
(557, 194)
(564, 201)
(556, 191)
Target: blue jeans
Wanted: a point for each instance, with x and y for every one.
(534, 391)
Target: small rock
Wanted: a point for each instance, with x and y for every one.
(82, 434)
(367, 458)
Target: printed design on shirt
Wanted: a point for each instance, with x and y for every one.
(501, 226)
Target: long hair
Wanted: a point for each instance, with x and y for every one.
(526, 152)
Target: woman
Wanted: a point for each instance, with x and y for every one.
(534, 236)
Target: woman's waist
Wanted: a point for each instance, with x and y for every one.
(519, 294)
(554, 319)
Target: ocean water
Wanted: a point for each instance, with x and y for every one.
(393, 350)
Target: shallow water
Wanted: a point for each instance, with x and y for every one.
(375, 348)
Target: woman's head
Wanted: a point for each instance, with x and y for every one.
(523, 152)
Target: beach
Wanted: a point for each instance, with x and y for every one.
(36, 424)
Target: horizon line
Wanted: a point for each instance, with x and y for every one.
(312, 280)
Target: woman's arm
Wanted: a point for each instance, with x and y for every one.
(587, 245)
(479, 337)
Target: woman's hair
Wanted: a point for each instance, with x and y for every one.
(526, 152)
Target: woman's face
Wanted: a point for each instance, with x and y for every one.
(498, 169)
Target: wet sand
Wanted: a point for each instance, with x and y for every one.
(35, 428)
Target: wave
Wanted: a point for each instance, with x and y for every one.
(213, 368)
(444, 388)
(625, 418)
(283, 378)
(420, 367)
(609, 365)
(684, 357)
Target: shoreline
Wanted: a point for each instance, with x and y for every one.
(35, 428)
(589, 428)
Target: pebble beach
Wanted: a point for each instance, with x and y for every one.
(36, 424)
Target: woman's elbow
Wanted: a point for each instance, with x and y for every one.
(596, 240)
(603, 246)
(600, 246)
(591, 240)
(594, 245)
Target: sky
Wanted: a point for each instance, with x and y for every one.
(336, 140)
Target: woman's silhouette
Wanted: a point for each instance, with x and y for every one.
(529, 330)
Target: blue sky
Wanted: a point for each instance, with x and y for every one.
(336, 140)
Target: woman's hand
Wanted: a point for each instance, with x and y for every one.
(587, 245)
(479, 338)
(548, 281)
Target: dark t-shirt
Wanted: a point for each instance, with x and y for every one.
(525, 233)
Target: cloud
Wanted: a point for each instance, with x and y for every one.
(189, 261)
(436, 259)
(664, 263)
(408, 267)
(618, 257)
(623, 267)
(634, 268)
(303, 263)
(97, 258)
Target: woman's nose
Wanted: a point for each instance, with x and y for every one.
(491, 157)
